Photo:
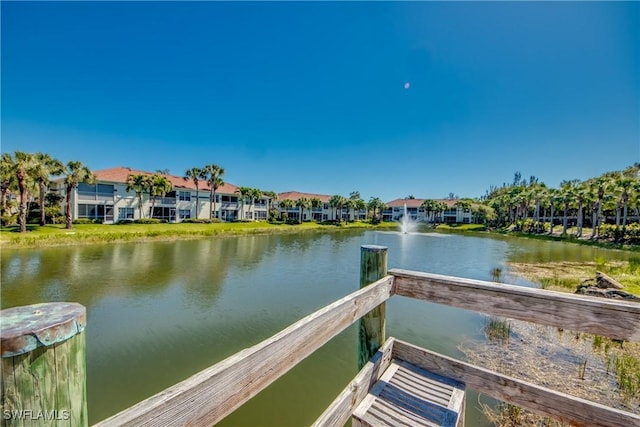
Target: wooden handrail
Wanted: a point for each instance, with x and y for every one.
(211, 394)
(611, 318)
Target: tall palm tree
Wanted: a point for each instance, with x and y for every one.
(254, 193)
(244, 194)
(429, 206)
(213, 175)
(195, 175)
(567, 194)
(75, 173)
(375, 204)
(553, 195)
(139, 184)
(302, 203)
(7, 178)
(24, 164)
(285, 205)
(159, 186)
(315, 204)
(272, 197)
(337, 202)
(45, 166)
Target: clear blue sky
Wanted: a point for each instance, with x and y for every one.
(311, 96)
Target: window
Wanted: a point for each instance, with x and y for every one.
(164, 213)
(184, 213)
(93, 211)
(184, 196)
(125, 213)
(229, 199)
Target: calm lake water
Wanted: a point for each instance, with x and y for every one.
(160, 312)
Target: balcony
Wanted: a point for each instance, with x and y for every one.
(103, 197)
(163, 200)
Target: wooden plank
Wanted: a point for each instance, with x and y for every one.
(408, 395)
(340, 410)
(215, 392)
(371, 333)
(570, 409)
(10, 396)
(77, 386)
(611, 318)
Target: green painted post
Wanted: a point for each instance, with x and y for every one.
(373, 266)
(42, 347)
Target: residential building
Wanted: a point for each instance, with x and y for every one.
(109, 201)
(452, 214)
(323, 212)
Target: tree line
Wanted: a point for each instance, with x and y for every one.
(531, 206)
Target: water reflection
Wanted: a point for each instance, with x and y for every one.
(159, 312)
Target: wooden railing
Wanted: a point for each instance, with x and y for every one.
(214, 393)
(210, 395)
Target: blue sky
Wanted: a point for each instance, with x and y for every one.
(311, 96)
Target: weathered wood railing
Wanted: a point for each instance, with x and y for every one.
(210, 395)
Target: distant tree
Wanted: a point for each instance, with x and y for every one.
(375, 205)
(75, 173)
(8, 181)
(213, 175)
(244, 194)
(45, 166)
(23, 166)
(302, 203)
(138, 183)
(158, 186)
(410, 197)
(315, 203)
(285, 205)
(337, 202)
(195, 175)
(429, 206)
(254, 194)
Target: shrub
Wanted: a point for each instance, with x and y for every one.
(149, 221)
(87, 221)
(197, 221)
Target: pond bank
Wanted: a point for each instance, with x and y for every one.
(81, 234)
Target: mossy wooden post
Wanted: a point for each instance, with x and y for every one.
(43, 365)
(373, 266)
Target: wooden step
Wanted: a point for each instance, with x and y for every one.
(406, 395)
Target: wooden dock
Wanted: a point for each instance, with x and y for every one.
(425, 386)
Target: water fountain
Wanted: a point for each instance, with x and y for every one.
(405, 221)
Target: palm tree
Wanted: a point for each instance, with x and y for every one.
(8, 178)
(75, 173)
(45, 166)
(553, 196)
(429, 206)
(195, 175)
(213, 175)
(23, 167)
(271, 196)
(375, 204)
(139, 184)
(302, 203)
(254, 193)
(244, 194)
(315, 204)
(159, 186)
(567, 194)
(337, 202)
(285, 205)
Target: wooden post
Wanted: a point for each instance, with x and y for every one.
(373, 266)
(43, 365)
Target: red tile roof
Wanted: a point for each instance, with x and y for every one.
(121, 173)
(295, 195)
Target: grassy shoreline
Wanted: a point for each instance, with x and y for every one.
(586, 241)
(82, 234)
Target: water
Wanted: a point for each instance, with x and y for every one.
(160, 312)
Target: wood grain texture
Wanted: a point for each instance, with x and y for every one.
(340, 410)
(372, 330)
(215, 392)
(611, 318)
(543, 401)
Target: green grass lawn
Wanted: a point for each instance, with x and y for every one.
(54, 235)
(461, 227)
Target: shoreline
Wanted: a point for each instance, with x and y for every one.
(88, 234)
